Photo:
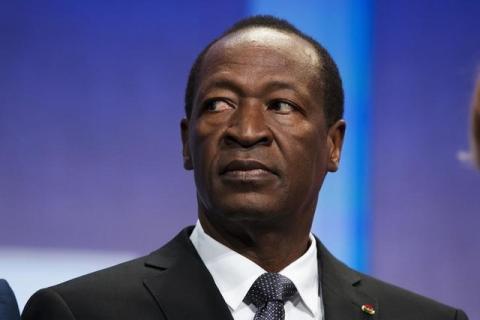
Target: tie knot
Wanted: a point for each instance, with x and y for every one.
(271, 287)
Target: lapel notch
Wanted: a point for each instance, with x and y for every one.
(183, 287)
(342, 297)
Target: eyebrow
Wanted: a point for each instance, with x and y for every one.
(278, 85)
(223, 84)
(231, 85)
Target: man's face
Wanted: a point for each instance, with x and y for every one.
(257, 138)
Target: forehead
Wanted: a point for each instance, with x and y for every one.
(263, 51)
(266, 38)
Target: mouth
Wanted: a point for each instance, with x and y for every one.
(246, 170)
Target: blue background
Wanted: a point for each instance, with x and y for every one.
(91, 95)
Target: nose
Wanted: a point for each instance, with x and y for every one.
(248, 127)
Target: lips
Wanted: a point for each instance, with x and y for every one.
(246, 167)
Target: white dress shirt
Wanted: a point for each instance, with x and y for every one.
(234, 274)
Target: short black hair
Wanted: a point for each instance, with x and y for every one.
(331, 82)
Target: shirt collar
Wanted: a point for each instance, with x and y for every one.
(234, 274)
(304, 274)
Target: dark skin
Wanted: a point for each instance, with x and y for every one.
(259, 144)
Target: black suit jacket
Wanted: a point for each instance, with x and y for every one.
(172, 283)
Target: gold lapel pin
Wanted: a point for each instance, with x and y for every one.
(368, 309)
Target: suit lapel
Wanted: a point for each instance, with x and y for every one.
(341, 295)
(183, 288)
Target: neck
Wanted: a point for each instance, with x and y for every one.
(272, 246)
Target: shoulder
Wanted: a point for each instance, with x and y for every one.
(101, 294)
(393, 300)
(118, 292)
(389, 301)
(8, 303)
(126, 274)
(4, 287)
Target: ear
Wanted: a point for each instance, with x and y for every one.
(187, 159)
(336, 132)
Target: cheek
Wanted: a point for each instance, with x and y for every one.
(204, 143)
(202, 166)
(306, 148)
(304, 139)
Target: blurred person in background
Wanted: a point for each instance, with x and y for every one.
(8, 303)
(475, 125)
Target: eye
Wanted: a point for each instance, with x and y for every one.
(282, 107)
(217, 105)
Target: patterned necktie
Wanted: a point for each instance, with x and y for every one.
(269, 293)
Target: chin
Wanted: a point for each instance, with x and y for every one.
(247, 208)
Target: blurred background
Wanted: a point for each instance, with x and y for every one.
(91, 95)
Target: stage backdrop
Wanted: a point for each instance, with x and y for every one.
(91, 95)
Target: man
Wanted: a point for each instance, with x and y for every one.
(8, 303)
(264, 106)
